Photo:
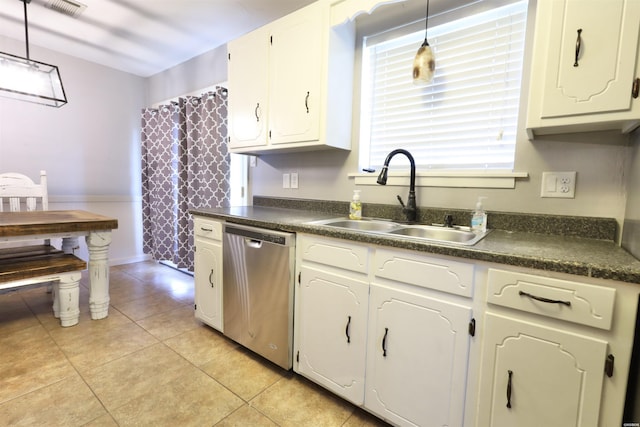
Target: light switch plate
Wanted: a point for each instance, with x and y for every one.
(294, 179)
(286, 182)
(558, 185)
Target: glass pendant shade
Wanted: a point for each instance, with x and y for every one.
(424, 64)
(32, 81)
(24, 79)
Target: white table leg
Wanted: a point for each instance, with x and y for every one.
(66, 303)
(98, 245)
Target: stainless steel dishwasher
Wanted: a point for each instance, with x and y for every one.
(258, 272)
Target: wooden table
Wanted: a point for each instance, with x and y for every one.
(69, 225)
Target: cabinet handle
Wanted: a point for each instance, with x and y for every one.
(306, 102)
(256, 112)
(608, 365)
(384, 342)
(547, 300)
(346, 330)
(509, 389)
(635, 88)
(206, 229)
(578, 44)
(210, 278)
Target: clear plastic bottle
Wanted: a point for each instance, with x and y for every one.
(355, 207)
(479, 218)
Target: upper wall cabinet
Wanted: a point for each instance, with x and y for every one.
(584, 67)
(291, 84)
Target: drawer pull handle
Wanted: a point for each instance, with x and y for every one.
(346, 330)
(509, 389)
(547, 300)
(384, 342)
(206, 229)
(578, 43)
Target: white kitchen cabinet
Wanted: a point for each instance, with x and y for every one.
(248, 89)
(556, 351)
(419, 341)
(208, 271)
(539, 376)
(331, 315)
(417, 357)
(333, 331)
(295, 76)
(398, 346)
(590, 90)
(302, 99)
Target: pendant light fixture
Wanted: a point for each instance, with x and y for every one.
(424, 64)
(26, 80)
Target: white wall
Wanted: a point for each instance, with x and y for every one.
(203, 71)
(89, 147)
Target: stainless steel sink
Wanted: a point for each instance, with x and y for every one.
(360, 224)
(428, 232)
(432, 233)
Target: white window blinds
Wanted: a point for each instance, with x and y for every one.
(466, 118)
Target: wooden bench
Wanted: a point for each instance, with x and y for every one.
(41, 264)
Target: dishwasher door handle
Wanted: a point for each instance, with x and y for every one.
(255, 244)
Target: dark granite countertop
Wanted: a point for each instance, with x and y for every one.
(598, 258)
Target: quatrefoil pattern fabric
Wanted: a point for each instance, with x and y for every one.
(185, 165)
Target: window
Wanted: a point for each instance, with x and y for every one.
(466, 118)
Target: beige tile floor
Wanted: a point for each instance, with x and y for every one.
(150, 363)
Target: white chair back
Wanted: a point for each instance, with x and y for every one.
(17, 190)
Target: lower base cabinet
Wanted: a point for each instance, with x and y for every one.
(400, 351)
(332, 331)
(539, 376)
(208, 271)
(417, 355)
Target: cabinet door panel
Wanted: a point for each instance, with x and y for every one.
(556, 376)
(606, 64)
(296, 70)
(332, 331)
(417, 358)
(208, 282)
(248, 89)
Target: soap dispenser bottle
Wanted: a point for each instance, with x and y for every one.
(479, 218)
(355, 207)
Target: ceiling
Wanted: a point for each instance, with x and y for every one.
(142, 37)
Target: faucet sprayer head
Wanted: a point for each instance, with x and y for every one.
(382, 178)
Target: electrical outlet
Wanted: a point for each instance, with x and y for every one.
(294, 179)
(286, 181)
(558, 184)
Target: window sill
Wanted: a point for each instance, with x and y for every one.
(460, 179)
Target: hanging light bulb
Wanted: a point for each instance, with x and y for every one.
(424, 64)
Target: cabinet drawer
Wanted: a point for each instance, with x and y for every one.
(433, 273)
(336, 253)
(561, 299)
(207, 228)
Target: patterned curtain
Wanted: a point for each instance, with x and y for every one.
(185, 165)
